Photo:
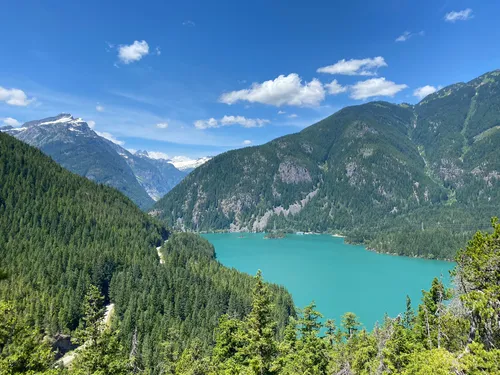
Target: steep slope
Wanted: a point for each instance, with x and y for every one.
(60, 232)
(156, 176)
(371, 171)
(74, 145)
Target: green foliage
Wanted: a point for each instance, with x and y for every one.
(22, 350)
(478, 274)
(63, 237)
(69, 247)
(434, 341)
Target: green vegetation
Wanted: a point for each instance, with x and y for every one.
(274, 235)
(75, 146)
(452, 332)
(376, 172)
(61, 234)
(69, 247)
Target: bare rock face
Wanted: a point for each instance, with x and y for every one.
(449, 171)
(61, 344)
(291, 173)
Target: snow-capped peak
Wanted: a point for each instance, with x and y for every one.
(183, 162)
(180, 162)
(63, 118)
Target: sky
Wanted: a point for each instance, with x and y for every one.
(197, 78)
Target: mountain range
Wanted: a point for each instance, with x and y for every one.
(76, 146)
(376, 172)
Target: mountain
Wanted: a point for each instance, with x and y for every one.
(74, 145)
(61, 235)
(156, 176)
(376, 172)
(186, 164)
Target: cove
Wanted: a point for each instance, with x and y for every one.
(337, 276)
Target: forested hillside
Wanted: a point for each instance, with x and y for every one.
(376, 172)
(61, 235)
(72, 143)
(453, 332)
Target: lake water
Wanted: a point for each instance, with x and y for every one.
(337, 276)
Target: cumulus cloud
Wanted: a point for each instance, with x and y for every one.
(189, 23)
(14, 97)
(355, 67)
(293, 115)
(99, 108)
(407, 35)
(110, 137)
(205, 124)
(91, 124)
(423, 91)
(230, 120)
(283, 90)
(375, 87)
(462, 15)
(335, 88)
(247, 142)
(133, 52)
(281, 112)
(162, 125)
(10, 121)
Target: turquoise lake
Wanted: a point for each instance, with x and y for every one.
(337, 276)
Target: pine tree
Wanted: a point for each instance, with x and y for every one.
(260, 329)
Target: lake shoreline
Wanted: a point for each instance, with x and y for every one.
(335, 235)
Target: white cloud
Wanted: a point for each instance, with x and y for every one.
(335, 88)
(10, 121)
(293, 115)
(189, 23)
(162, 125)
(283, 90)
(158, 51)
(14, 97)
(423, 91)
(243, 121)
(205, 124)
(462, 15)
(354, 67)
(99, 108)
(407, 35)
(91, 124)
(247, 142)
(133, 52)
(230, 120)
(281, 112)
(375, 87)
(110, 137)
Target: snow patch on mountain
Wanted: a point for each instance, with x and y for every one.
(184, 163)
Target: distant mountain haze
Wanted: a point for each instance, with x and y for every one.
(74, 145)
(374, 172)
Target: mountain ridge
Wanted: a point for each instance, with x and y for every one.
(75, 145)
(369, 171)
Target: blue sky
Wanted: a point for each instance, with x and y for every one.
(197, 78)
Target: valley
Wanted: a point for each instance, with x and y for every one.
(250, 188)
(380, 173)
(77, 147)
